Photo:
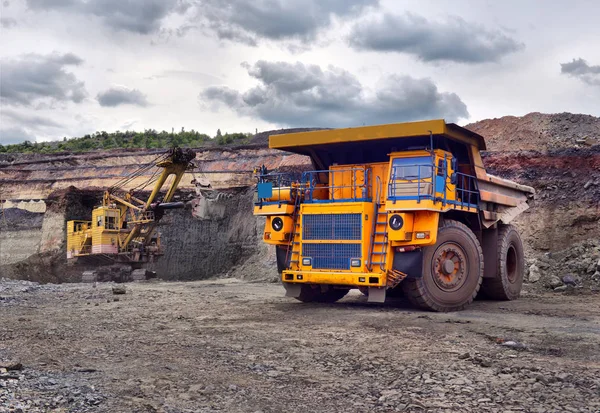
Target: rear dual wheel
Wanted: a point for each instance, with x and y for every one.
(511, 267)
(452, 271)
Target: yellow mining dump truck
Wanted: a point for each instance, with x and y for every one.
(403, 207)
(123, 229)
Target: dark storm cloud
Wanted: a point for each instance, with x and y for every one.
(247, 21)
(451, 40)
(12, 135)
(7, 22)
(306, 95)
(117, 96)
(137, 16)
(580, 69)
(31, 78)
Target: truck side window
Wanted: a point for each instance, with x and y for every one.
(441, 168)
(99, 221)
(411, 168)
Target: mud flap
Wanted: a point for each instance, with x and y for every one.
(292, 290)
(376, 295)
(410, 263)
(283, 258)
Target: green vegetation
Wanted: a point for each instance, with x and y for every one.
(149, 138)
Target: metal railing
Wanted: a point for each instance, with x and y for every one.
(272, 187)
(401, 188)
(358, 190)
(142, 216)
(467, 194)
(425, 186)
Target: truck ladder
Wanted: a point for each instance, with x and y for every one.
(293, 253)
(379, 243)
(379, 239)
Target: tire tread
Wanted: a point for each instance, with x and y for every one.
(418, 295)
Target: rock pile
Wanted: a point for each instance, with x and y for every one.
(33, 391)
(572, 269)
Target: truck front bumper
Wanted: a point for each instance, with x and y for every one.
(350, 279)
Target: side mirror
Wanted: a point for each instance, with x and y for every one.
(454, 164)
(453, 178)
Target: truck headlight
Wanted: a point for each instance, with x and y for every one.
(277, 224)
(354, 262)
(307, 261)
(396, 222)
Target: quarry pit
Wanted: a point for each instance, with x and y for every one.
(226, 339)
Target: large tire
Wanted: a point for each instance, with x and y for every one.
(511, 267)
(452, 271)
(313, 294)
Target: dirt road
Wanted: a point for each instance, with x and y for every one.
(229, 346)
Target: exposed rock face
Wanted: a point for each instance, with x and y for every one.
(567, 205)
(538, 131)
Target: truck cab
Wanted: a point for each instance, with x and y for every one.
(390, 208)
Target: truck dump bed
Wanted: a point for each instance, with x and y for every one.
(500, 199)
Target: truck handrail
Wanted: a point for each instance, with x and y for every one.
(467, 193)
(396, 184)
(466, 187)
(310, 179)
(278, 181)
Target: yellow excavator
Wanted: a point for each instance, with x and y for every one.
(121, 236)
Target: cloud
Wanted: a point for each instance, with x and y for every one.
(248, 21)
(32, 78)
(19, 125)
(7, 22)
(305, 95)
(580, 69)
(452, 40)
(120, 95)
(12, 135)
(137, 16)
(34, 122)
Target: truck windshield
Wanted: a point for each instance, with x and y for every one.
(411, 168)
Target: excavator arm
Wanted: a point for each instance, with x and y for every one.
(148, 213)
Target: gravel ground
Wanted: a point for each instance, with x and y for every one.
(231, 346)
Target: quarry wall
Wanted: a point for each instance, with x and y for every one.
(40, 195)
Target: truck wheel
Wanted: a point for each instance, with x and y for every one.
(313, 294)
(511, 267)
(452, 271)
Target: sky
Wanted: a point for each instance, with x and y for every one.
(73, 67)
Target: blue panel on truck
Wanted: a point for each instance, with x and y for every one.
(265, 190)
(346, 227)
(331, 256)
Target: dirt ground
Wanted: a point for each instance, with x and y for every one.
(232, 346)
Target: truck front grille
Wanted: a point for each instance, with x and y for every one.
(334, 227)
(331, 256)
